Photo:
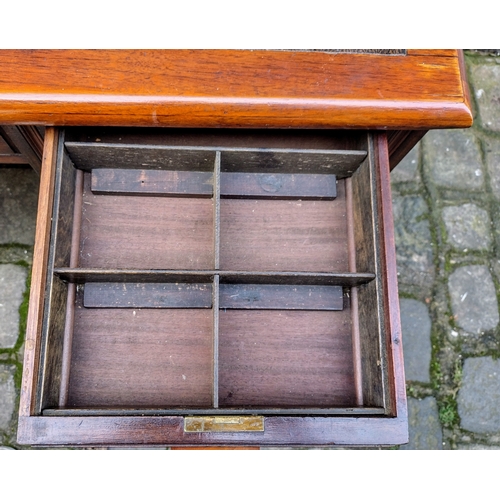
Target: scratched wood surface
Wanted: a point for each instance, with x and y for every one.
(148, 295)
(200, 184)
(278, 186)
(197, 158)
(56, 291)
(152, 182)
(391, 339)
(365, 217)
(300, 297)
(189, 276)
(229, 296)
(187, 138)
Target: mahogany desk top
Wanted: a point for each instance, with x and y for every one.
(406, 93)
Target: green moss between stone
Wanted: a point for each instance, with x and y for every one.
(448, 412)
(435, 371)
(23, 313)
(23, 317)
(9, 254)
(406, 295)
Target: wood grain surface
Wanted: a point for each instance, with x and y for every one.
(178, 183)
(5, 149)
(209, 139)
(232, 88)
(371, 319)
(190, 276)
(145, 232)
(299, 297)
(155, 357)
(39, 274)
(396, 404)
(285, 358)
(152, 182)
(56, 299)
(278, 186)
(294, 431)
(275, 235)
(21, 145)
(148, 295)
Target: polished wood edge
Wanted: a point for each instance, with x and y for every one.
(248, 112)
(465, 83)
(39, 272)
(188, 88)
(169, 431)
(393, 339)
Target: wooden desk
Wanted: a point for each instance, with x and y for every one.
(284, 113)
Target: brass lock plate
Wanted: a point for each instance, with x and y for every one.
(224, 424)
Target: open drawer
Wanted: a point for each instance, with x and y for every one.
(214, 287)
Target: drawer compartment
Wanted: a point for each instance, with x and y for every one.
(212, 279)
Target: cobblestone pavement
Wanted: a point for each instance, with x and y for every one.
(446, 196)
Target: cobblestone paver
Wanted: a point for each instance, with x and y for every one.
(446, 199)
(416, 327)
(18, 203)
(468, 227)
(486, 81)
(453, 159)
(425, 427)
(473, 299)
(415, 255)
(7, 397)
(12, 286)
(479, 395)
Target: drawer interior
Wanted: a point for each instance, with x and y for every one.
(140, 357)
(285, 359)
(141, 232)
(284, 235)
(213, 278)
